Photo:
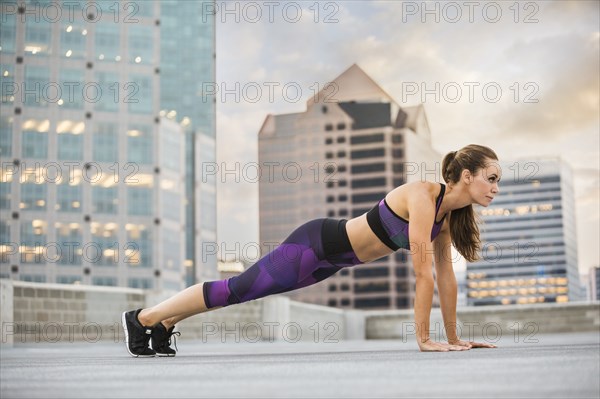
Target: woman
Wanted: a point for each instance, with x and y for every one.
(437, 216)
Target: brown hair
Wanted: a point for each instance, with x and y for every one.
(463, 223)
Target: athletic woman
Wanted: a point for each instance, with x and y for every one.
(423, 217)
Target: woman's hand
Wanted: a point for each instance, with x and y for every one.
(431, 346)
(471, 344)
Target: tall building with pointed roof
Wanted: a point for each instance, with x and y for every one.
(351, 145)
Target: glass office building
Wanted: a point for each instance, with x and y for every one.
(100, 134)
(529, 244)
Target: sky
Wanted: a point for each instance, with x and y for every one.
(520, 77)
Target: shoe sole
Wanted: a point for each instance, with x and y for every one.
(124, 323)
(164, 354)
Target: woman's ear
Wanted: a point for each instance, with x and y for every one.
(466, 176)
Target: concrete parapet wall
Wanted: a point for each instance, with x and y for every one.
(491, 320)
(274, 318)
(61, 312)
(34, 312)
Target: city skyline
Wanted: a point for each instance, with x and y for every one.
(415, 61)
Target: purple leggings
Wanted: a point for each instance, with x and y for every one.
(314, 251)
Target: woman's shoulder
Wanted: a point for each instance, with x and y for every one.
(418, 187)
(399, 197)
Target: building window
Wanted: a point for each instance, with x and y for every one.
(105, 281)
(33, 239)
(341, 139)
(329, 155)
(69, 237)
(139, 144)
(36, 78)
(371, 272)
(139, 237)
(35, 138)
(70, 139)
(341, 126)
(332, 302)
(5, 188)
(38, 34)
(343, 212)
(68, 279)
(107, 45)
(341, 154)
(6, 136)
(328, 127)
(105, 200)
(72, 40)
(33, 278)
(402, 286)
(106, 245)
(8, 79)
(372, 153)
(33, 196)
(368, 138)
(142, 283)
(342, 168)
(398, 153)
(372, 182)
(141, 94)
(370, 197)
(368, 168)
(402, 302)
(106, 142)
(330, 198)
(345, 302)
(139, 201)
(361, 303)
(383, 286)
(8, 32)
(402, 271)
(342, 198)
(397, 138)
(141, 40)
(68, 198)
(332, 287)
(112, 91)
(73, 90)
(329, 141)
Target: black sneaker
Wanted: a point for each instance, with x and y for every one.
(161, 340)
(136, 335)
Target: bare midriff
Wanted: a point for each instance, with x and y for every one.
(366, 245)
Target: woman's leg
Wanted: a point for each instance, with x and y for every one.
(298, 262)
(187, 303)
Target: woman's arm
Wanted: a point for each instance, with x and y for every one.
(446, 281)
(421, 208)
(421, 213)
(448, 289)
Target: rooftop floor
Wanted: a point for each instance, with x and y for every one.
(557, 365)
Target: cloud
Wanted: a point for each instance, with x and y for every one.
(568, 86)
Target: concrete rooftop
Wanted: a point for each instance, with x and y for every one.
(557, 365)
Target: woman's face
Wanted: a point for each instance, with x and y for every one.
(484, 184)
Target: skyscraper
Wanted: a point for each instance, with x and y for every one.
(593, 283)
(101, 129)
(351, 145)
(529, 238)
